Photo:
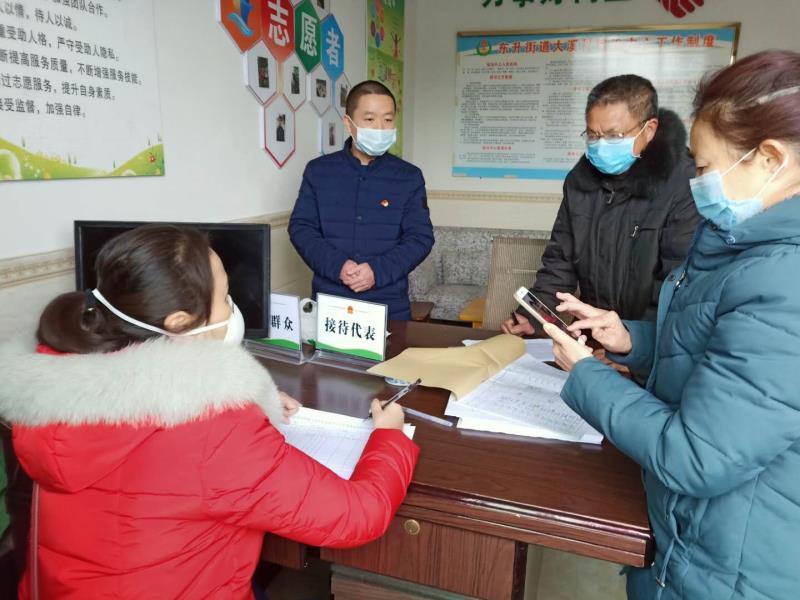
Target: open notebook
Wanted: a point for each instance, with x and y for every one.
(523, 399)
(334, 440)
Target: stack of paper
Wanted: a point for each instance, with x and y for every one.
(334, 440)
(523, 399)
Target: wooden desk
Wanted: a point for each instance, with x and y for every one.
(473, 312)
(478, 499)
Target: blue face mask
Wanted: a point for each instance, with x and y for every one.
(712, 203)
(612, 158)
(374, 142)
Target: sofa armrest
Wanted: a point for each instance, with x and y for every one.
(422, 279)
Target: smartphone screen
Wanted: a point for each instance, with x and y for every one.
(547, 315)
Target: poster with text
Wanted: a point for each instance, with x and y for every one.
(385, 45)
(79, 90)
(521, 98)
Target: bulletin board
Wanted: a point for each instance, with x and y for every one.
(521, 96)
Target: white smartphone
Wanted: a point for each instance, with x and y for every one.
(539, 310)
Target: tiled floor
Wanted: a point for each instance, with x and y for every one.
(568, 577)
(562, 577)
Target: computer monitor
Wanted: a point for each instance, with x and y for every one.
(243, 248)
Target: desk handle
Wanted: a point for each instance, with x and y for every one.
(412, 527)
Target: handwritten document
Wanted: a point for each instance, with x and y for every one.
(523, 399)
(334, 440)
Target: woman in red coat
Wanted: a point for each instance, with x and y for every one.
(147, 431)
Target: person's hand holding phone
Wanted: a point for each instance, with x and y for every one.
(566, 349)
(540, 311)
(606, 326)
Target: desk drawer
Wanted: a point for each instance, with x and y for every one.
(444, 557)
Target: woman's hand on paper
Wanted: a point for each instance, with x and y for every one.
(605, 325)
(289, 405)
(391, 417)
(566, 349)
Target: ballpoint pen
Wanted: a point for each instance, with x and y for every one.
(409, 388)
(415, 413)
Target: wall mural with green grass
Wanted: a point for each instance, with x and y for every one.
(79, 91)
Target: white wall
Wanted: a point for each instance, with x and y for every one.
(432, 36)
(215, 168)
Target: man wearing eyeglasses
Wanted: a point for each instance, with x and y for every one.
(627, 217)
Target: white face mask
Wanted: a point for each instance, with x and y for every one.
(233, 336)
(374, 142)
(712, 203)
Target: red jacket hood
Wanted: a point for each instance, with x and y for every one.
(76, 417)
(69, 458)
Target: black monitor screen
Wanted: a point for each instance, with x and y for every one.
(243, 248)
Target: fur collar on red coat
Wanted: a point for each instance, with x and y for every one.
(161, 382)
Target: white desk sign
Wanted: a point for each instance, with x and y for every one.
(283, 343)
(351, 327)
(284, 322)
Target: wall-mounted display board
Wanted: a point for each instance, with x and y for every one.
(521, 97)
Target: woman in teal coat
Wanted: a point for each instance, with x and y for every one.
(717, 429)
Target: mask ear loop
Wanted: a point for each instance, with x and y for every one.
(637, 135)
(213, 326)
(773, 176)
(738, 162)
(353, 134)
(96, 293)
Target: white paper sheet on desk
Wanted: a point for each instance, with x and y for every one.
(541, 349)
(523, 399)
(334, 440)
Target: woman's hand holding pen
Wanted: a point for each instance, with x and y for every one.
(389, 417)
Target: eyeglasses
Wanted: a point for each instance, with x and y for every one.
(590, 137)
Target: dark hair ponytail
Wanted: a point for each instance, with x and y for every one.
(147, 273)
(69, 325)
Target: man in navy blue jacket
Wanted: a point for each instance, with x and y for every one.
(361, 219)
